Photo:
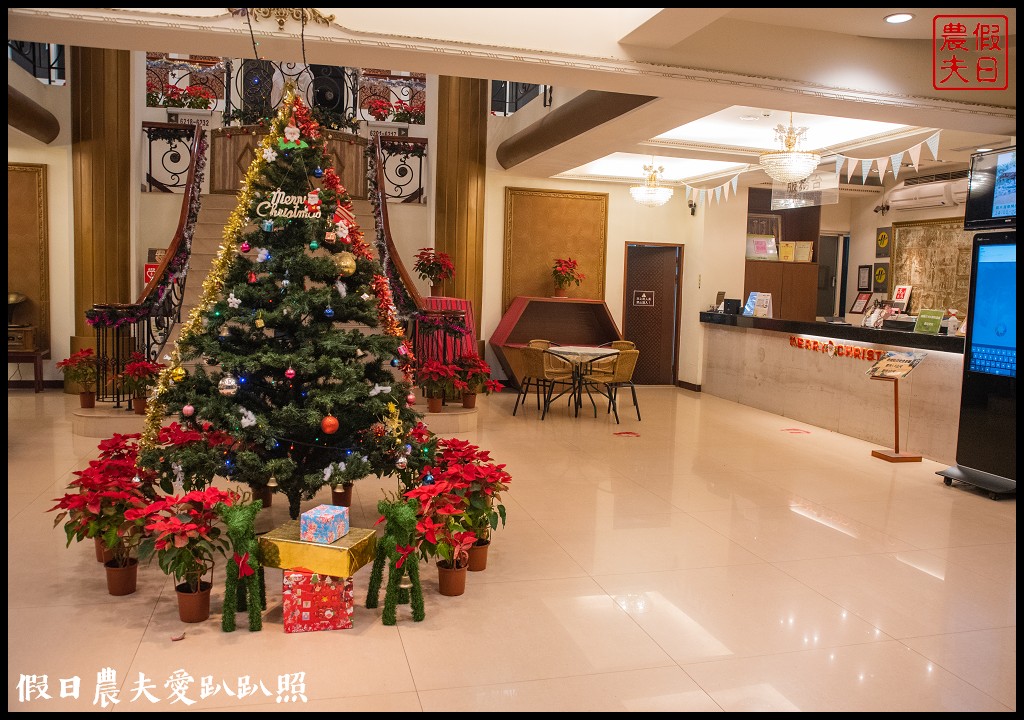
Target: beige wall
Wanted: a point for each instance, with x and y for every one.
(56, 156)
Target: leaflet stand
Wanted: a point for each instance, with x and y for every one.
(894, 455)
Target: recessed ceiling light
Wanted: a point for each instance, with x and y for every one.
(748, 118)
(983, 150)
(897, 18)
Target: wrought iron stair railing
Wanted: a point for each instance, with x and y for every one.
(146, 325)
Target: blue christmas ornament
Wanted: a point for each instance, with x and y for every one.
(394, 362)
(318, 173)
(329, 312)
(268, 225)
(428, 479)
(408, 449)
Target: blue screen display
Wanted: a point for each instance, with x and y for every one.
(993, 312)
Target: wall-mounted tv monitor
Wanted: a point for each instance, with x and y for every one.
(992, 190)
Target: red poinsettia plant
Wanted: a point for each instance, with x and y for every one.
(81, 368)
(183, 533)
(442, 532)
(196, 97)
(103, 497)
(379, 108)
(566, 272)
(475, 372)
(398, 111)
(188, 456)
(433, 266)
(438, 379)
(475, 477)
(139, 375)
(412, 113)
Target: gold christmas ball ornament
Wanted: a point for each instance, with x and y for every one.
(178, 374)
(346, 263)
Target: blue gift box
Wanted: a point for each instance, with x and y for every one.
(323, 524)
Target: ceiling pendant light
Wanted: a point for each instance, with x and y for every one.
(652, 193)
(789, 164)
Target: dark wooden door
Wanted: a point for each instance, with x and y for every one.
(651, 310)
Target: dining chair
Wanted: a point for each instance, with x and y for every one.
(621, 374)
(558, 371)
(535, 374)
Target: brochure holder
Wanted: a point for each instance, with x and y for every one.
(894, 455)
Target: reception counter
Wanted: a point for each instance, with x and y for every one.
(815, 372)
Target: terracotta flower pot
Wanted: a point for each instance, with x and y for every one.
(468, 400)
(103, 555)
(561, 292)
(435, 290)
(87, 399)
(139, 405)
(434, 404)
(264, 494)
(478, 556)
(193, 607)
(451, 581)
(122, 580)
(342, 495)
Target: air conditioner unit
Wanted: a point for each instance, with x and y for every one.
(945, 193)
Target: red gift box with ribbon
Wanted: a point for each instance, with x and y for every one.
(314, 601)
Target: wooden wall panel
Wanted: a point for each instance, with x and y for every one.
(541, 225)
(28, 264)
(101, 141)
(461, 156)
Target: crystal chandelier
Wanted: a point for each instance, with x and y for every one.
(789, 165)
(651, 193)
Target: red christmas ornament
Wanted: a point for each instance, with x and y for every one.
(329, 424)
(289, 373)
(410, 399)
(252, 277)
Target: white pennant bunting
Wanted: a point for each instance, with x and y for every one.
(897, 163)
(725, 189)
(735, 183)
(933, 145)
(701, 194)
(915, 155)
(850, 163)
(839, 163)
(883, 163)
(718, 194)
(865, 168)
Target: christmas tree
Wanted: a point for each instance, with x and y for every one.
(270, 357)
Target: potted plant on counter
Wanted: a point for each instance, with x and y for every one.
(82, 369)
(566, 272)
(434, 267)
(475, 374)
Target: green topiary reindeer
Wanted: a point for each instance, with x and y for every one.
(245, 565)
(396, 546)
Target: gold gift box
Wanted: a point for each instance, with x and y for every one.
(283, 548)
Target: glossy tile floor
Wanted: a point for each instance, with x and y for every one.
(712, 558)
